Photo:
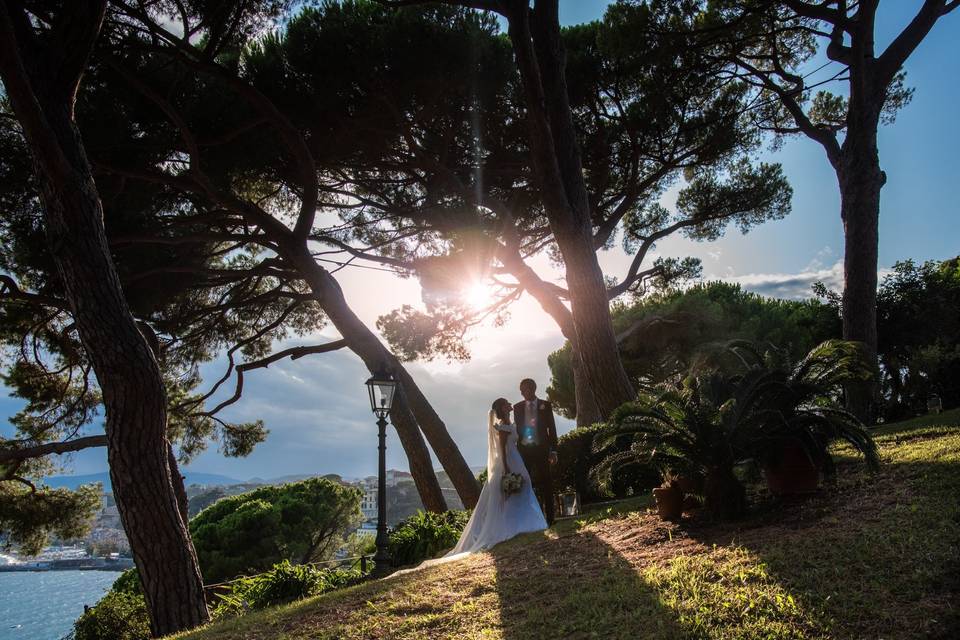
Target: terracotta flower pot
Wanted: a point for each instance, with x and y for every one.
(669, 502)
(792, 472)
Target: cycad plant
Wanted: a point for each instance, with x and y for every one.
(800, 402)
(741, 405)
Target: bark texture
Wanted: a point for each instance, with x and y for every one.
(588, 412)
(860, 181)
(41, 88)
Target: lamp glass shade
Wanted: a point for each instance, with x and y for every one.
(381, 388)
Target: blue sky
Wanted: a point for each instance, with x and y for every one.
(316, 407)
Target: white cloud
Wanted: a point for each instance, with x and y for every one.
(820, 260)
(791, 286)
(794, 286)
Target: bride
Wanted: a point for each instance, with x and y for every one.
(498, 516)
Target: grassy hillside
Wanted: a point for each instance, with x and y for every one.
(874, 556)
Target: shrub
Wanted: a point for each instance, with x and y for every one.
(424, 535)
(119, 615)
(284, 583)
(574, 461)
(662, 334)
(249, 533)
(128, 582)
(632, 478)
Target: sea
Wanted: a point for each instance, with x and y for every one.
(42, 605)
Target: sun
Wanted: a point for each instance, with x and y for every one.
(477, 296)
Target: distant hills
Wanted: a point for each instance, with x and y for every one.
(72, 482)
(210, 479)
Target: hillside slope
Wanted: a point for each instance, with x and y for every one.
(873, 556)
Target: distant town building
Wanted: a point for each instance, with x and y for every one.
(368, 503)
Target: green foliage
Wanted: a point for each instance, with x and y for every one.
(425, 534)
(128, 582)
(741, 406)
(202, 499)
(664, 334)
(300, 522)
(283, 583)
(122, 613)
(576, 457)
(117, 616)
(28, 518)
(358, 544)
(918, 322)
(357, 78)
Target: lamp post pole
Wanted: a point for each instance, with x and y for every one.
(382, 558)
(381, 387)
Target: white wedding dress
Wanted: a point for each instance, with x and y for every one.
(498, 517)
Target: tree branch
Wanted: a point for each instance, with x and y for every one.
(293, 353)
(890, 61)
(10, 291)
(88, 442)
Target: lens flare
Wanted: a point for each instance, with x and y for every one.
(477, 296)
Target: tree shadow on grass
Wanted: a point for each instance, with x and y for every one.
(870, 556)
(575, 586)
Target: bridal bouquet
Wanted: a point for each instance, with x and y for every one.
(511, 483)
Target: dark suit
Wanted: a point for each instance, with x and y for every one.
(536, 457)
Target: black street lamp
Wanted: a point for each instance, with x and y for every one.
(381, 387)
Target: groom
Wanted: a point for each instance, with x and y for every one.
(537, 443)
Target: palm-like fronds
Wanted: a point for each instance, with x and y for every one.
(744, 409)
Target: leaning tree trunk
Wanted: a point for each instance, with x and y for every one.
(374, 354)
(134, 397)
(41, 88)
(418, 455)
(446, 450)
(861, 180)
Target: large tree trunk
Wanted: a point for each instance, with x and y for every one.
(600, 365)
(556, 159)
(134, 396)
(861, 180)
(588, 412)
(375, 355)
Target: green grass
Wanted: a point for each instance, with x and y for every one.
(873, 556)
(951, 417)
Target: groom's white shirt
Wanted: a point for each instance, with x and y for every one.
(530, 409)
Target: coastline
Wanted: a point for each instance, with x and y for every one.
(5, 560)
